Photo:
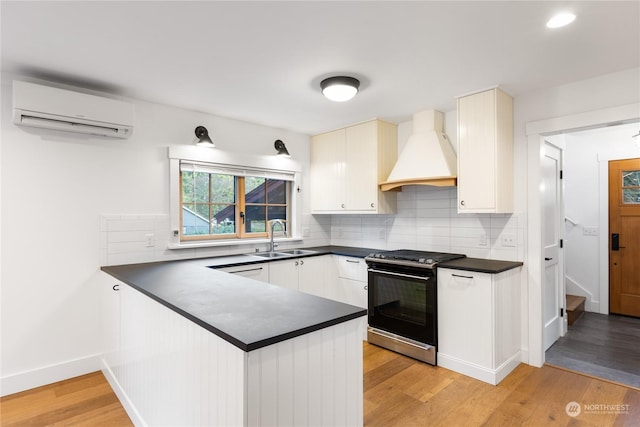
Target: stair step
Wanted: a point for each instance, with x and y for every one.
(575, 308)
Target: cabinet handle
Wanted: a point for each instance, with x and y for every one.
(295, 263)
(301, 262)
(342, 206)
(547, 259)
(352, 261)
(464, 277)
(366, 288)
(245, 271)
(461, 202)
(372, 205)
(116, 287)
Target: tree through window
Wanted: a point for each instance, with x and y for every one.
(230, 205)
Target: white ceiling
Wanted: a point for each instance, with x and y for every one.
(262, 61)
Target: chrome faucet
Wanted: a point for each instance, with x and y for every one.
(272, 245)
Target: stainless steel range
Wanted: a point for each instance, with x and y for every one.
(402, 306)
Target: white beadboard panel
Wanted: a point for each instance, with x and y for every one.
(314, 379)
(173, 371)
(170, 371)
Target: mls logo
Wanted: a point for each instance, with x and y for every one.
(573, 409)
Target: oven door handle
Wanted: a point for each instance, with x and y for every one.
(410, 276)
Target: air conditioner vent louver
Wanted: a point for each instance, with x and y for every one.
(64, 110)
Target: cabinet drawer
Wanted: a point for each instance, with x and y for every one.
(254, 271)
(352, 268)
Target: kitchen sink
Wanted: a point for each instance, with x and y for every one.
(281, 254)
(297, 252)
(271, 254)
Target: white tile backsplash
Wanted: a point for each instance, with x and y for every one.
(427, 219)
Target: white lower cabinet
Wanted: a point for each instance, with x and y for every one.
(252, 271)
(352, 280)
(479, 323)
(302, 274)
(350, 287)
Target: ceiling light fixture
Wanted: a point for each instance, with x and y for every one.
(203, 137)
(561, 19)
(339, 88)
(281, 148)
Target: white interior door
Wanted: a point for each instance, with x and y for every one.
(553, 288)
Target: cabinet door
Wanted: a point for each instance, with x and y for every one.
(352, 292)
(465, 307)
(477, 152)
(284, 273)
(328, 171)
(253, 271)
(362, 167)
(311, 271)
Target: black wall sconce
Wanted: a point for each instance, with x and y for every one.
(281, 148)
(203, 137)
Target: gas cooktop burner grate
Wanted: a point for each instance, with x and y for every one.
(406, 256)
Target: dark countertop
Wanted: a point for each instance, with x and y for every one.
(246, 313)
(480, 265)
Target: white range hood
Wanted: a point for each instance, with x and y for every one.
(427, 158)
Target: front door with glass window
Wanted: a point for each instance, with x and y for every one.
(624, 237)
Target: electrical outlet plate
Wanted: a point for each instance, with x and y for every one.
(509, 240)
(150, 240)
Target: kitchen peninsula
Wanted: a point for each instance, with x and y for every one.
(196, 346)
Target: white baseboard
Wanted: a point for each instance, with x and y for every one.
(491, 376)
(128, 406)
(22, 381)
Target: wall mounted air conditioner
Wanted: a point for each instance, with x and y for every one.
(52, 108)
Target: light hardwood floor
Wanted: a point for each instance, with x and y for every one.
(87, 400)
(398, 391)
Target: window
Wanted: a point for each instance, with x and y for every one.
(227, 203)
(631, 187)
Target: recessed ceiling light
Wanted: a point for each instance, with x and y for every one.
(561, 19)
(340, 88)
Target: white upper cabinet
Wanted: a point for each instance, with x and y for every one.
(348, 164)
(485, 152)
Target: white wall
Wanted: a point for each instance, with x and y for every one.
(55, 188)
(584, 155)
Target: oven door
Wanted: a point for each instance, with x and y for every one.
(403, 303)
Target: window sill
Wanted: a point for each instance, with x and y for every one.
(209, 244)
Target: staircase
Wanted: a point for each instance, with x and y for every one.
(575, 308)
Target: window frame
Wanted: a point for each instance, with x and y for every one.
(240, 203)
(240, 165)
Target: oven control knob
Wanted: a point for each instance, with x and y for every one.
(422, 261)
(430, 261)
